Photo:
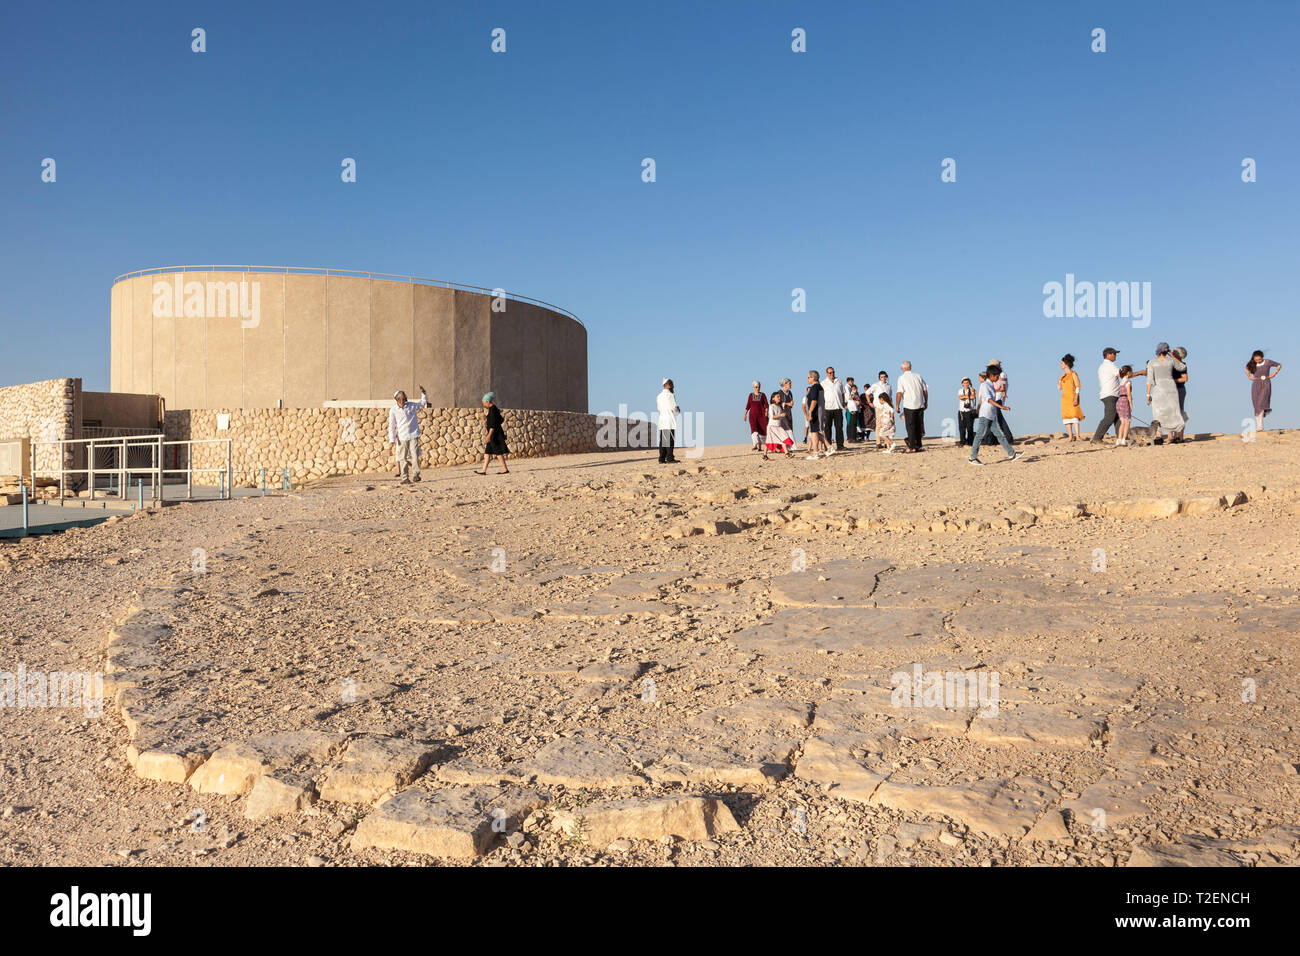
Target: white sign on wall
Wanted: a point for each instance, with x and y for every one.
(223, 422)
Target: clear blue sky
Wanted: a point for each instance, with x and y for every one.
(775, 170)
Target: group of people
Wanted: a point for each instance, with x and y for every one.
(837, 412)
(404, 434)
(1166, 393)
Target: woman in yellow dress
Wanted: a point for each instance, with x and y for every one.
(1071, 413)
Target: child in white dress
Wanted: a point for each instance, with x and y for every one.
(884, 423)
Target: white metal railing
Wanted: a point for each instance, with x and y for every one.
(123, 470)
(355, 273)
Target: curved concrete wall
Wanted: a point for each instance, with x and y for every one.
(313, 338)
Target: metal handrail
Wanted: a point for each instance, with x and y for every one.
(354, 273)
(156, 443)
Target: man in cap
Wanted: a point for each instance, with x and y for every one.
(1108, 381)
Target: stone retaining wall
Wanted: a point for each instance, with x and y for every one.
(315, 442)
(41, 411)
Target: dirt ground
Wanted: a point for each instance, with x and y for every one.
(592, 639)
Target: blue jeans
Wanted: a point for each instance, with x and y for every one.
(982, 427)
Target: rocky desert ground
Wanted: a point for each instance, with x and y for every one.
(601, 660)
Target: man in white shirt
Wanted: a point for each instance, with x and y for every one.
(668, 412)
(912, 398)
(834, 398)
(404, 432)
(1108, 385)
(422, 403)
(1001, 386)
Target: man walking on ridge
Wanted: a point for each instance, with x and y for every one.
(1108, 382)
(834, 400)
(987, 420)
(912, 398)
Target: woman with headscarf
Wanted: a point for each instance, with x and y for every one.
(496, 436)
(1261, 372)
(1162, 395)
(756, 415)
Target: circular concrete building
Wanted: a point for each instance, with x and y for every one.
(262, 337)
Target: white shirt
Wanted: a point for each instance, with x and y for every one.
(913, 388)
(833, 394)
(668, 410)
(1108, 379)
(402, 422)
(876, 389)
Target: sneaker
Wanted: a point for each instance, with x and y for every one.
(829, 452)
(415, 479)
(811, 458)
(974, 461)
(405, 481)
(888, 451)
(1017, 456)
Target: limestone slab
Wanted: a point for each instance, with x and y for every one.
(847, 582)
(234, 768)
(998, 807)
(454, 822)
(373, 765)
(646, 818)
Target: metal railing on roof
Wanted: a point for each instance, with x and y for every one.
(353, 273)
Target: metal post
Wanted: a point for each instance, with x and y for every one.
(122, 478)
(284, 480)
(263, 481)
(22, 481)
(158, 495)
(221, 484)
(230, 490)
(139, 491)
(189, 469)
(61, 475)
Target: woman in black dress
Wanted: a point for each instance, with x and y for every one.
(496, 435)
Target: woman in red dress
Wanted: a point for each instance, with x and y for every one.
(756, 415)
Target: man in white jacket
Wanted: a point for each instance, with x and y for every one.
(668, 412)
(404, 432)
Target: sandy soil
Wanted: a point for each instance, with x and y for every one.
(601, 633)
